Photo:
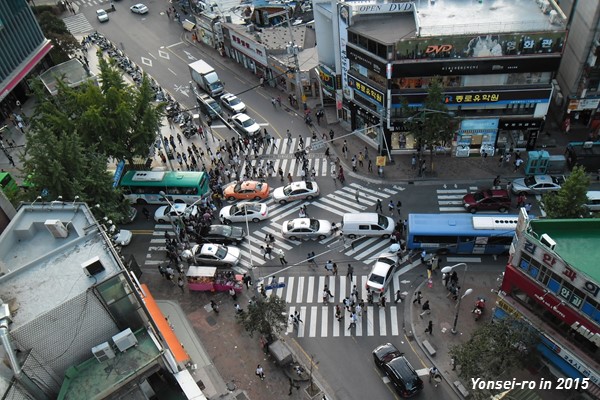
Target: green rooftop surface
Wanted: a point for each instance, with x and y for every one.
(97, 380)
(577, 242)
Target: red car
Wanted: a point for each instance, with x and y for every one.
(487, 200)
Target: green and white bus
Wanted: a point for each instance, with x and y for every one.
(144, 187)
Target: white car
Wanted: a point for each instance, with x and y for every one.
(233, 103)
(381, 273)
(123, 238)
(216, 254)
(102, 15)
(306, 228)
(296, 191)
(168, 213)
(139, 8)
(537, 184)
(245, 124)
(242, 211)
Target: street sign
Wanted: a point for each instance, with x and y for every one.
(380, 162)
(319, 144)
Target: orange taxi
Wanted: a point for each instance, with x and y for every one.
(246, 190)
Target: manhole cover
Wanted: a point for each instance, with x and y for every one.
(211, 321)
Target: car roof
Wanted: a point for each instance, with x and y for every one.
(301, 222)
(209, 248)
(381, 268)
(593, 195)
(250, 184)
(496, 192)
(403, 370)
(241, 117)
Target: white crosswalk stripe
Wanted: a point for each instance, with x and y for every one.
(77, 24)
(304, 294)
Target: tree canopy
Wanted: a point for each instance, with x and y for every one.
(265, 317)
(495, 349)
(433, 125)
(569, 201)
(56, 31)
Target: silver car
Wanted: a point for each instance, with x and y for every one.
(102, 15)
(306, 228)
(233, 103)
(537, 184)
(296, 191)
(139, 8)
(216, 254)
(245, 124)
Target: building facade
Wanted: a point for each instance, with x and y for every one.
(553, 283)
(70, 311)
(22, 47)
(497, 73)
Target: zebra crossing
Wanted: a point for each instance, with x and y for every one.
(77, 24)
(303, 294)
(281, 154)
(336, 203)
(450, 200)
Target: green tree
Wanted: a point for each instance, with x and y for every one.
(569, 201)
(495, 349)
(56, 31)
(265, 317)
(433, 126)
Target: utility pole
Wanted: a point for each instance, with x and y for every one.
(293, 49)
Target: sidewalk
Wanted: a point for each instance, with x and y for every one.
(443, 311)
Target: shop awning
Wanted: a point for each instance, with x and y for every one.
(26, 69)
(163, 326)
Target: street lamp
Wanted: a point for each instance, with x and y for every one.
(467, 292)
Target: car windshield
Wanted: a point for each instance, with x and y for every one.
(383, 221)
(314, 224)
(290, 226)
(234, 101)
(386, 260)
(222, 230)
(221, 252)
(237, 187)
(376, 279)
(253, 207)
(529, 181)
(479, 196)
(247, 123)
(287, 190)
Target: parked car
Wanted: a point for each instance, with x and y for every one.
(296, 191)
(306, 228)
(593, 201)
(233, 103)
(102, 15)
(139, 8)
(245, 124)
(537, 184)
(221, 234)
(381, 272)
(246, 190)
(216, 254)
(167, 213)
(396, 367)
(241, 211)
(486, 200)
(123, 238)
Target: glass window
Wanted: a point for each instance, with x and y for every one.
(524, 264)
(533, 271)
(553, 285)
(588, 308)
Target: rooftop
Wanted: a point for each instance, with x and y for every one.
(387, 29)
(72, 72)
(95, 380)
(576, 242)
(458, 17)
(31, 255)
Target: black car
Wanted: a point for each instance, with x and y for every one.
(397, 368)
(221, 234)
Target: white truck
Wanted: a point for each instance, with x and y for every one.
(206, 78)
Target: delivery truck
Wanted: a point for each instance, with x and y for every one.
(206, 78)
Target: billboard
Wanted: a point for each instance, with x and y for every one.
(478, 97)
(490, 45)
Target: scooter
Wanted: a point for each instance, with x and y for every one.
(479, 307)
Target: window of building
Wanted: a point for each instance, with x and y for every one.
(554, 284)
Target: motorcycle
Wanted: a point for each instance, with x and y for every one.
(479, 307)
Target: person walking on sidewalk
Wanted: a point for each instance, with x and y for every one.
(281, 255)
(350, 272)
(398, 296)
(259, 370)
(426, 309)
(429, 328)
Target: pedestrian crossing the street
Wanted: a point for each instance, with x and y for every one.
(304, 294)
(450, 200)
(281, 155)
(77, 24)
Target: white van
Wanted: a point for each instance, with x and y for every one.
(367, 224)
(593, 201)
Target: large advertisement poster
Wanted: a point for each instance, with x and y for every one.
(491, 45)
(344, 13)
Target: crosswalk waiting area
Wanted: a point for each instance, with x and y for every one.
(336, 204)
(304, 294)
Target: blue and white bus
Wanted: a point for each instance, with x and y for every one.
(461, 233)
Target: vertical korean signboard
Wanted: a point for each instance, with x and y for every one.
(344, 23)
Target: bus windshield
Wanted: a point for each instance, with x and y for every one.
(145, 187)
